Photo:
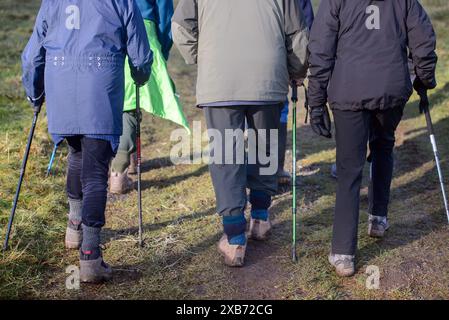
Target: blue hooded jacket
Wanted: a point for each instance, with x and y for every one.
(160, 12)
(76, 56)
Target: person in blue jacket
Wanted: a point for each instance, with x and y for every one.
(74, 61)
(284, 176)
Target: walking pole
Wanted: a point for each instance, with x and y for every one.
(52, 159)
(22, 174)
(294, 99)
(424, 105)
(139, 162)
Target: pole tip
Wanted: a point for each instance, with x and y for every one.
(294, 256)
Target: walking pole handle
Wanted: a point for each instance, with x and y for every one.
(306, 104)
(294, 86)
(37, 109)
(424, 105)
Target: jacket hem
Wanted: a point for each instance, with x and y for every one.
(269, 98)
(369, 106)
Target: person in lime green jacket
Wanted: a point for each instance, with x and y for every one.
(157, 96)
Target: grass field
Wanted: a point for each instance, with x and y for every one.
(179, 260)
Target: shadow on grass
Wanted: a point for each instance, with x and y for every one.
(164, 183)
(157, 163)
(112, 235)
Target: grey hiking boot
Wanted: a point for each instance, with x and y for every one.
(234, 255)
(344, 264)
(284, 177)
(92, 267)
(132, 169)
(95, 271)
(259, 229)
(120, 183)
(73, 237)
(377, 226)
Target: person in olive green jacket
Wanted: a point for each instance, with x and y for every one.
(247, 52)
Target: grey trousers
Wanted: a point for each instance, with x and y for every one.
(231, 180)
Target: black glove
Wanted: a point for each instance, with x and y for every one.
(419, 86)
(320, 121)
(140, 82)
(140, 75)
(421, 89)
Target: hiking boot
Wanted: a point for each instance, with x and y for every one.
(234, 255)
(73, 237)
(132, 169)
(284, 177)
(259, 229)
(344, 264)
(120, 183)
(377, 226)
(95, 271)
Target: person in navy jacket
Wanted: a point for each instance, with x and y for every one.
(74, 61)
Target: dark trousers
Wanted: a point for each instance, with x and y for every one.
(353, 130)
(231, 180)
(87, 177)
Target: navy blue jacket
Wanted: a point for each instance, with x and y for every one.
(76, 58)
(160, 12)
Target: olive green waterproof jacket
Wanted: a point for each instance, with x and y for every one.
(245, 50)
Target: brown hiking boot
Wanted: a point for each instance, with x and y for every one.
(120, 183)
(132, 169)
(234, 255)
(95, 271)
(259, 229)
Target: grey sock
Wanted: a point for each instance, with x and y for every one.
(91, 238)
(75, 213)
